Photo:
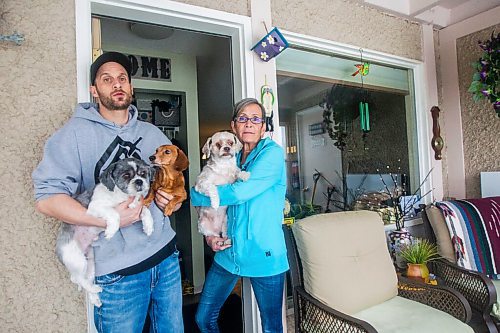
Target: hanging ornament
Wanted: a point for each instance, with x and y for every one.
(364, 111)
(267, 100)
(364, 116)
(363, 69)
(270, 45)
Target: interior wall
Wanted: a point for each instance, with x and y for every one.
(317, 153)
(215, 86)
(386, 145)
(479, 121)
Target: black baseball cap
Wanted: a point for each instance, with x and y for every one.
(109, 57)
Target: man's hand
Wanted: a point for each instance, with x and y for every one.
(162, 199)
(217, 243)
(129, 215)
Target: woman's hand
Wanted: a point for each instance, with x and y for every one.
(162, 199)
(217, 243)
(129, 215)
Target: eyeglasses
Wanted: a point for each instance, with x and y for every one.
(254, 120)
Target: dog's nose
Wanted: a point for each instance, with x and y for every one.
(138, 182)
(227, 149)
(152, 158)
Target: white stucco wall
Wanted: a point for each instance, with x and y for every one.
(350, 23)
(37, 94)
(480, 122)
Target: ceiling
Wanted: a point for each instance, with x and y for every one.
(440, 13)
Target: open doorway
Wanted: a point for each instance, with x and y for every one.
(183, 83)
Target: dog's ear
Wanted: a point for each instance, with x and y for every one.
(106, 177)
(152, 174)
(237, 143)
(182, 162)
(206, 148)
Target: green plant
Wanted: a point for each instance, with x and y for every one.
(299, 211)
(420, 251)
(486, 79)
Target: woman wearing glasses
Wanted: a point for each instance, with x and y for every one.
(255, 214)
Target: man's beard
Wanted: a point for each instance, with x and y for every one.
(110, 104)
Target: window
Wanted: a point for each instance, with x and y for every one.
(373, 141)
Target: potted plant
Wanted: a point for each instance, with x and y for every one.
(417, 254)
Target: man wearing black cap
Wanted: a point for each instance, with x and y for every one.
(138, 274)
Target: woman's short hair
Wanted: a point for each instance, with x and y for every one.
(246, 102)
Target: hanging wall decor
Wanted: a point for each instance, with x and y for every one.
(364, 111)
(363, 69)
(270, 45)
(486, 79)
(437, 141)
(267, 100)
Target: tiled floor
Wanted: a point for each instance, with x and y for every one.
(290, 324)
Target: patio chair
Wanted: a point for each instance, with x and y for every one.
(343, 280)
(480, 291)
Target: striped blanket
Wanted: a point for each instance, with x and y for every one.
(474, 227)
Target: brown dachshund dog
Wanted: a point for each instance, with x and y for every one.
(170, 161)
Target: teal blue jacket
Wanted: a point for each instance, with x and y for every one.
(255, 214)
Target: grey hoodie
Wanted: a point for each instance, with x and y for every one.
(74, 157)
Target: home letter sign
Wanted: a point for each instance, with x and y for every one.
(150, 68)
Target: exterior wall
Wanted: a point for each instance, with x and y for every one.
(479, 121)
(38, 92)
(350, 23)
(241, 7)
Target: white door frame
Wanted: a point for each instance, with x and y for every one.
(177, 15)
(419, 83)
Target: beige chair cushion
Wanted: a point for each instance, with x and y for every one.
(345, 260)
(443, 239)
(403, 315)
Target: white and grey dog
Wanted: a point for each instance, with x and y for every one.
(121, 180)
(220, 169)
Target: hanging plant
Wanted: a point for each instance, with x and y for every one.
(486, 79)
(339, 110)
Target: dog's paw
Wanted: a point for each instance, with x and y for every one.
(94, 289)
(215, 202)
(147, 222)
(95, 300)
(244, 175)
(147, 228)
(110, 232)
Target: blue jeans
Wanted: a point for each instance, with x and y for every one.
(218, 285)
(127, 299)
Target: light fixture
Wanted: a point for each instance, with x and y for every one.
(149, 31)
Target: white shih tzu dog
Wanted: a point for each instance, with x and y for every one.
(121, 180)
(220, 169)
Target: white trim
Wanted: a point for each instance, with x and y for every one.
(432, 99)
(418, 81)
(173, 14)
(452, 111)
(83, 49)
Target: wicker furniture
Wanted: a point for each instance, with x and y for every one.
(476, 287)
(312, 315)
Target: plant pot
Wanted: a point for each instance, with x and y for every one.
(418, 272)
(398, 238)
